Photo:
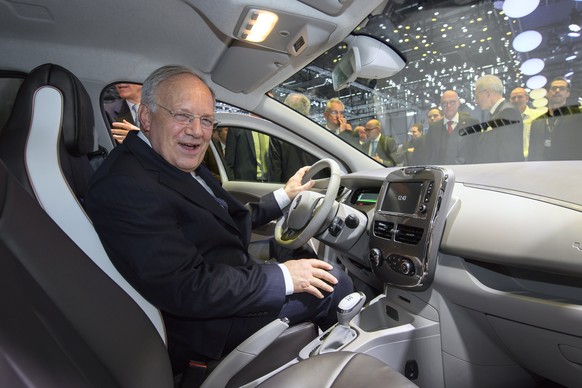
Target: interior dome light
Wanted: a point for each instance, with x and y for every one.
(574, 27)
(536, 82)
(519, 8)
(532, 66)
(257, 25)
(527, 41)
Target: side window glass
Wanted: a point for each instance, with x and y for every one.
(120, 104)
(250, 155)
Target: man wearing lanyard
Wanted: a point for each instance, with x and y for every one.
(556, 135)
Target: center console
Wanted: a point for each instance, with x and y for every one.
(398, 327)
(408, 225)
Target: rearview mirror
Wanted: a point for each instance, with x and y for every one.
(368, 58)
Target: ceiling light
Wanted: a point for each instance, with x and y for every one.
(257, 25)
(519, 8)
(536, 82)
(571, 56)
(538, 93)
(532, 66)
(527, 41)
(573, 34)
(540, 102)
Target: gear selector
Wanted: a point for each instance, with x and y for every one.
(343, 334)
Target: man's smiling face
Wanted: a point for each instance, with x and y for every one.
(181, 144)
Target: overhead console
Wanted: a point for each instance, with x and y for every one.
(408, 225)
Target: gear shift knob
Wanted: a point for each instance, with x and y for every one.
(349, 307)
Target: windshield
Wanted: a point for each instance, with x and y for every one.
(484, 81)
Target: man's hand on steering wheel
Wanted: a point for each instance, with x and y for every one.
(294, 185)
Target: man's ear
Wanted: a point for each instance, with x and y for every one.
(145, 118)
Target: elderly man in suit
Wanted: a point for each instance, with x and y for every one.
(443, 144)
(382, 148)
(182, 241)
(122, 114)
(501, 139)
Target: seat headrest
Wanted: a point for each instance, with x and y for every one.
(78, 120)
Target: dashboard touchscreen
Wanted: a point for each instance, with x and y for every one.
(402, 197)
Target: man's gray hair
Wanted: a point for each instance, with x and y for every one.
(299, 102)
(164, 73)
(491, 83)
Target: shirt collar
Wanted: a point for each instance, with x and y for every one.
(499, 102)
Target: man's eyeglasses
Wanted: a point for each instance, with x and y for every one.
(558, 88)
(206, 122)
(337, 112)
(447, 103)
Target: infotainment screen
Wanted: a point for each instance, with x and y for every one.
(402, 197)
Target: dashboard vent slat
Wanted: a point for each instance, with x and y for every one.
(384, 229)
(409, 234)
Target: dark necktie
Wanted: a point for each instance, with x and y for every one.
(222, 203)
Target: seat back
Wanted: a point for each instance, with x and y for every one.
(45, 144)
(64, 322)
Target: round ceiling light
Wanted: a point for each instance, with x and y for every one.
(536, 82)
(532, 66)
(538, 93)
(539, 102)
(527, 41)
(519, 8)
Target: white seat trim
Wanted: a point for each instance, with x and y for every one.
(55, 196)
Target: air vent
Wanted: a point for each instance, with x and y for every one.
(409, 234)
(383, 229)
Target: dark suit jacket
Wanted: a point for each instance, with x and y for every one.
(386, 150)
(503, 143)
(284, 159)
(563, 141)
(118, 111)
(442, 148)
(181, 250)
(240, 155)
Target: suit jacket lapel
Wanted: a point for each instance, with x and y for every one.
(177, 180)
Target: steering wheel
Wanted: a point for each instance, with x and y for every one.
(309, 209)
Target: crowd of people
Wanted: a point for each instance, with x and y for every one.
(512, 131)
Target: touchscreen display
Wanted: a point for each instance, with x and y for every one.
(402, 197)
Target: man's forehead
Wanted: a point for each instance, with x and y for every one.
(559, 83)
(518, 93)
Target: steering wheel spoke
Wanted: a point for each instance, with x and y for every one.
(309, 210)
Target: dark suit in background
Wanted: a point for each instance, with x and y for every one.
(503, 143)
(387, 150)
(284, 159)
(557, 136)
(440, 147)
(188, 255)
(240, 155)
(118, 111)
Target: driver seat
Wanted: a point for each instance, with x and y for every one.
(67, 324)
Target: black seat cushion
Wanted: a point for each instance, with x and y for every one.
(64, 322)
